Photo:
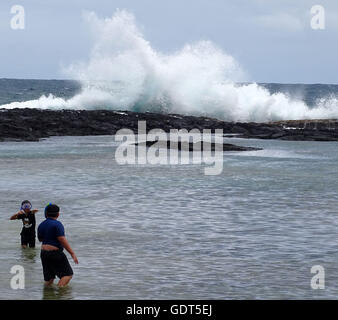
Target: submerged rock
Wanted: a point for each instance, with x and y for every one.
(196, 146)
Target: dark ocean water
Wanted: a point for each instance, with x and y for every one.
(12, 90)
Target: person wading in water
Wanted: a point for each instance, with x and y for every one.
(52, 235)
(27, 215)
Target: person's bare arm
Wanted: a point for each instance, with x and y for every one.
(15, 216)
(64, 242)
(35, 211)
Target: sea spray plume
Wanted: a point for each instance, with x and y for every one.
(123, 63)
(118, 64)
(124, 72)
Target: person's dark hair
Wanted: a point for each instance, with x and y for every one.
(52, 210)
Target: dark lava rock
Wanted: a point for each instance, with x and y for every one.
(34, 124)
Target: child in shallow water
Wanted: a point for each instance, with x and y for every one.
(27, 215)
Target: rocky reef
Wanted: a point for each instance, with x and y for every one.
(34, 124)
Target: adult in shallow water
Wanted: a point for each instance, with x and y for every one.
(27, 215)
(52, 235)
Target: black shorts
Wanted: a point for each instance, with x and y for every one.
(28, 238)
(55, 263)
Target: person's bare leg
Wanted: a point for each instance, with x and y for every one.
(64, 281)
(49, 283)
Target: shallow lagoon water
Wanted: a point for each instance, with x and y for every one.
(171, 232)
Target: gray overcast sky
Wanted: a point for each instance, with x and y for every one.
(271, 39)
